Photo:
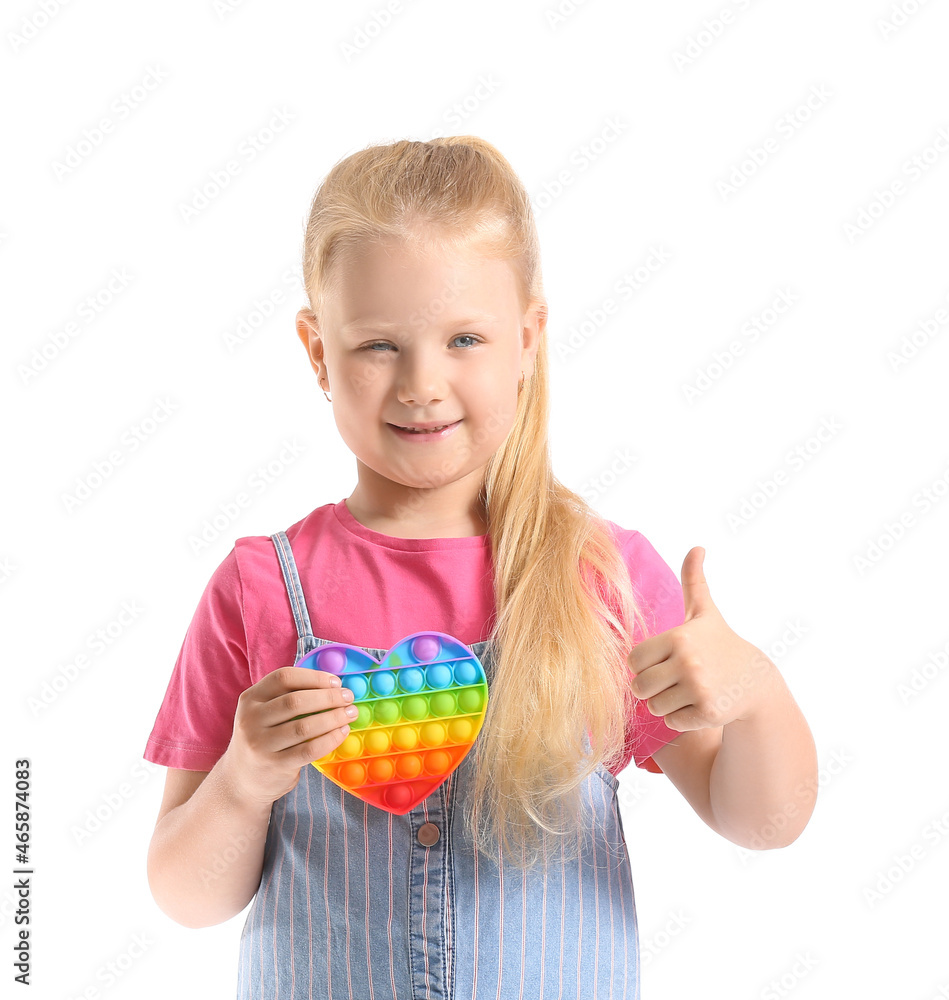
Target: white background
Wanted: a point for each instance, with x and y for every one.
(806, 556)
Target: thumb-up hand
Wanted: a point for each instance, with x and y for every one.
(700, 674)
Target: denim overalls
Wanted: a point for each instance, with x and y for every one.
(354, 903)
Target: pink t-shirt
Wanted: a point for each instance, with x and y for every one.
(367, 589)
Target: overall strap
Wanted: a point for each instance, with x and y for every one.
(291, 578)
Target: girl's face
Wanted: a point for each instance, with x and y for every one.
(417, 338)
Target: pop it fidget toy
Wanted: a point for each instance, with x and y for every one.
(420, 710)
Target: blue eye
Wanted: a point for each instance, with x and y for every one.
(383, 343)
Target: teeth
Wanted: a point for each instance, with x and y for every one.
(431, 430)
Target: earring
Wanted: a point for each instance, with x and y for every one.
(329, 399)
(520, 385)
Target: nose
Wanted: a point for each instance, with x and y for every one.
(421, 381)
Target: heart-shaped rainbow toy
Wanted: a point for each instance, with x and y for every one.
(420, 710)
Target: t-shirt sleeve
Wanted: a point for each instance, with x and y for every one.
(196, 718)
(660, 600)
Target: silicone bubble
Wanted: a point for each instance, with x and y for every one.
(381, 769)
(408, 765)
(434, 734)
(377, 741)
(357, 684)
(471, 700)
(386, 713)
(443, 704)
(405, 737)
(415, 708)
(419, 712)
(411, 679)
(439, 675)
(425, 648)
(353, 772)
(466, 672)
(437, 761)
(460, 730)
(398, 798)
(383, 682)
(350, 747)
(331, 659)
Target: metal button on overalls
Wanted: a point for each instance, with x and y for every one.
(428, 834)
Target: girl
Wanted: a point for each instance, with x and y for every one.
(427, 332)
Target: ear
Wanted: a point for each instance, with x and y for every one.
(535, 322)
(309, 334)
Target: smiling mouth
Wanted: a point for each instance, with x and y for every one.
(427, 430)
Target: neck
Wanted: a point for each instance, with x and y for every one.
(452, 511)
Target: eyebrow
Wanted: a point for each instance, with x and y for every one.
(381, 325)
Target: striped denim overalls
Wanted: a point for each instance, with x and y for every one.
(352, 905)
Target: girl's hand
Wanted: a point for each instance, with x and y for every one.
(700, 675)
(290, 717)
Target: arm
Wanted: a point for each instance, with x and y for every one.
(745, 759)
(763, 781)
(753, 780)
(206, 853)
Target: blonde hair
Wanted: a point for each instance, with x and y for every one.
(565, 606)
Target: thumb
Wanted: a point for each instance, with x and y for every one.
(695, 594)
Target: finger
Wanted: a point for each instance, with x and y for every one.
(294, 704)
(668, 702)
(649, 683)
(686, 719)
(295, 732)
(695, 593)
(313, 750)
(649, 652)
(284, 679)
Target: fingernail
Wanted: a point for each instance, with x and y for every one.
(352, 711)
(335, 681)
